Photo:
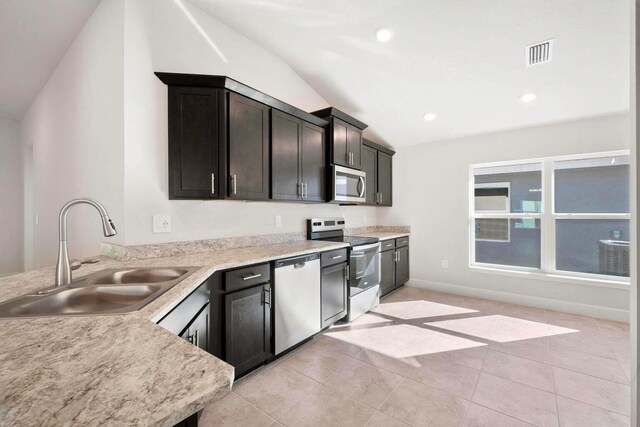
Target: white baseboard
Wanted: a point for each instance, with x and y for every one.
(531, 301)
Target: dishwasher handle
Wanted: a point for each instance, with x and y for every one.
(297, 262)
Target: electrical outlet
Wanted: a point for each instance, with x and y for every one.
(162, 223)
(278, 221)
(445, 263)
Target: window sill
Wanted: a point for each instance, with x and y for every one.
(601, 283)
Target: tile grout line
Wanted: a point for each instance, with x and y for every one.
(555, 392)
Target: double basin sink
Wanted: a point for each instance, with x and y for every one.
(110, 291)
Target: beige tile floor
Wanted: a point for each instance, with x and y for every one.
(424, 358)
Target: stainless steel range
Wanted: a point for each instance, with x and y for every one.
(364, 262)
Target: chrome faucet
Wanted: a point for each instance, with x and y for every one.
(64, 266)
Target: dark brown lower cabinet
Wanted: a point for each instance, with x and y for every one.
(394, 264)
(241, 317)
(334, 287)
(197, 333)
(247, 328)
(387, 271)
(402, 265)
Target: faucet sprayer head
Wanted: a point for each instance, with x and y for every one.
(108, 227)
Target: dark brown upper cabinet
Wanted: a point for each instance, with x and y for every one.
(220, 140)
(194, 131)
(377, 162)
(297, 159)
(248, 147)
(370, 167)
(345, 137)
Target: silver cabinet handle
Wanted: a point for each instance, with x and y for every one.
(346, 273)
(197, 338)
(351, 158)
(336, 257)
(252, 276)
(299, 190)
(267, 296)
(395, 256)
(380, 198)
(305, 190)
(235, 184)
(213, 183)
(361, 181)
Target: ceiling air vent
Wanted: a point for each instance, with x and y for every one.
(539, 53)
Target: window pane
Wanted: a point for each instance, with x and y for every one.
(520, 248)
(511, 189)
(598, 185)
(598, 246)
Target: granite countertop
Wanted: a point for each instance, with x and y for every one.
(384, 235)
(117, 369)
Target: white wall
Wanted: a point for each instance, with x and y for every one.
(431, 187)
(75, 127)
(161, 36)
(11, 213)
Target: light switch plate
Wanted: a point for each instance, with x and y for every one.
(278, 221)
(162, 223)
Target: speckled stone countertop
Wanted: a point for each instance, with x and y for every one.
(118, 369)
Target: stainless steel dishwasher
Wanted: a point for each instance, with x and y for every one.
(297, 300)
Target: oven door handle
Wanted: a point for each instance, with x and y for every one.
(361, 181)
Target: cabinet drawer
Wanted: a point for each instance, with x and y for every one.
(245, 277)
(402, 241)
(333, 257)
(385, 245)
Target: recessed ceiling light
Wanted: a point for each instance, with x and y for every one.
(429, 116)
(528, 97)
(384, 34)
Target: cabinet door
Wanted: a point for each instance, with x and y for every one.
(194, 125)
(198, 331)
(384, 179)
(334, 293)
(339, 147)
(354, 146)
(402, 265)
(248, 150)
(313, 162)
(247, 328)
(285, 155)
(369, 166)
(387, 272)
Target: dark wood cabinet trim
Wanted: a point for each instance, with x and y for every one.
(334, 112)
(224, 82)
(378, 147)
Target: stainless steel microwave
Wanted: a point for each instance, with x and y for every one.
(349, 185)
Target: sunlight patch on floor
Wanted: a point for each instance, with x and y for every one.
(500, 328)
(403, 341)
(418, 309)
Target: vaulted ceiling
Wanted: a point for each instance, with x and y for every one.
(34, 36)
(462, 60)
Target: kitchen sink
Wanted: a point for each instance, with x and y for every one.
(139, 275)
(110, 291)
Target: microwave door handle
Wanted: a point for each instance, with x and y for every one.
(361, 181)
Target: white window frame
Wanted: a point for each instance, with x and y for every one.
(547, 218)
